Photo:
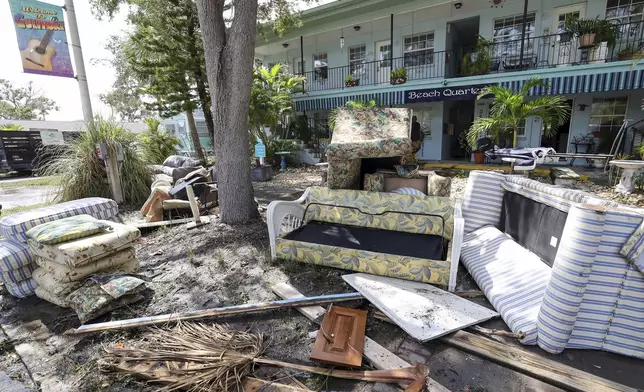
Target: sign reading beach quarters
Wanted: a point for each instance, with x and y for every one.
(460, 93)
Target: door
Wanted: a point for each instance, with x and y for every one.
(565, 48)
(383, 64)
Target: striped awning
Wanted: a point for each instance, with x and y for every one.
(600, 82)
(383, 99)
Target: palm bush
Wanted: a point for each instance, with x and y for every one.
(511, 109)
(83, 174)
(156, 143)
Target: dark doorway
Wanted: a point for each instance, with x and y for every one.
(458, 117)
(461, 38)
(559, 141)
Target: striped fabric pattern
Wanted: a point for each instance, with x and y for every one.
(14, 255)
(18, 274)
(22, 289)
(512, 278)
(384, 99)
(584, 83)
(595, 299)
(408, 191)
(483, 200)
(15, 226)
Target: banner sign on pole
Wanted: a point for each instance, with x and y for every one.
(40, 29)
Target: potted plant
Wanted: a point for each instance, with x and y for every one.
(630, 52)
(479, 157)
(398, 76)
(350, 81)
(585, 29)
(479, 61)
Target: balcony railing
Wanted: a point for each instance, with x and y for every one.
(425, 65)
(555, 50)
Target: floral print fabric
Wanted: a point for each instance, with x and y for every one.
(401, 267)
(66, 229)
(381, 210)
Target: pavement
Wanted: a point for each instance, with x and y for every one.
(17, 196)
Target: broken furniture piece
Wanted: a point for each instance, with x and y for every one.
(341, 336)
(177, 166)
(365, 134)
(401, 236)
(428, 182)
(521, 159)
(425, 312)
(564, 267)
(627, 180)
(563, 176)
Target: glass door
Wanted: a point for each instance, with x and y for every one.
(383, 66)
(565, 46)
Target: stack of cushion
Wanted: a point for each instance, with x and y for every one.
(17, 263)
(70, 250)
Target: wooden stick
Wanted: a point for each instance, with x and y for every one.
(496, 332)
(544, 369)
(216, 312)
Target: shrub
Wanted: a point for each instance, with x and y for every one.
(156, 143)
(82, 173)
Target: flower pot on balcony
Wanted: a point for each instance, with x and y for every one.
(398, 80)
(479, 157)
(352, 83)
(622, 56)
(587, 39)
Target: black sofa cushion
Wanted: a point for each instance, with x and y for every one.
(374, 240)
(536, 226)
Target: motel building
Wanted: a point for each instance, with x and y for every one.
(435, 41)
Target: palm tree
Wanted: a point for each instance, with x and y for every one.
(511, 109)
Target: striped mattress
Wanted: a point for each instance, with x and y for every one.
(513, 279)
(15, 226)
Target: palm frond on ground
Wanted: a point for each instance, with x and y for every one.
(510, 110)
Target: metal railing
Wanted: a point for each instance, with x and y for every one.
(420, 65)
(554, 50)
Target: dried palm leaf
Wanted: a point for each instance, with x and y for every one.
(199, 357)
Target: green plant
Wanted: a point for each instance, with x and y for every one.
(11, 127)
(82, 173)
(284, 145)
(581, 27)
(399, 73)
(349, 79)
(156, 143)
(607, 31)
(511, 109)
(479, 61)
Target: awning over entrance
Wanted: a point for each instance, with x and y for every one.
(600, 82)
(383, 99)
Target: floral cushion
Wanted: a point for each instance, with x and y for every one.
(67, 229)
(382, 210)
(114, 262)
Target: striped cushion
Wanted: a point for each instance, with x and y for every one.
(22, 289)
(483, 200)
(15, 226)
(512, 278)
(14, 255)
(595, 299)
(408, 191)
(18, 274)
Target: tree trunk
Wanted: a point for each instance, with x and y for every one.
(194, 135)
(229, 55)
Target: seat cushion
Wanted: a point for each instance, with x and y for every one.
(14, 227)
(14, 255)
(381, 241)
(66, 229)
(513, 279)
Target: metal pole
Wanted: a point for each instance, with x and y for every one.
(302, 56)
(391, 40)
(86, 103)
(525, 16)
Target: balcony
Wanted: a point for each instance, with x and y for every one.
(541, 52)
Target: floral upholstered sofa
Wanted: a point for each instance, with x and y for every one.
(564, 268)
(403, 236)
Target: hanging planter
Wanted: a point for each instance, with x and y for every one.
(349, 81)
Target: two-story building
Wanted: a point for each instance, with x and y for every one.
(347, 50)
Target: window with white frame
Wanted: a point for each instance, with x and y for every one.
(418, 49)
(608, 114)
(320, 66)
(357, 57)
(510, 28)
(300, 67)
(628, 14)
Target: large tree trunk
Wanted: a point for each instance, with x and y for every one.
(229, 54)
(194, 135)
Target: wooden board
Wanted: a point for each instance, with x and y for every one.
(286, 291)
(341, 336)
(251, 384)
(173, 222)
(555, 373)
(425, 312)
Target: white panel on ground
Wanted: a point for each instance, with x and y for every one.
(425, 312)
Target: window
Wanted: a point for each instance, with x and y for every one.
(299, 68)
(357, 56)
(607, 114)
(521, 129)
(202, 129)
(627, 13)
(419, 50)
(510, 28)
(320, 66)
